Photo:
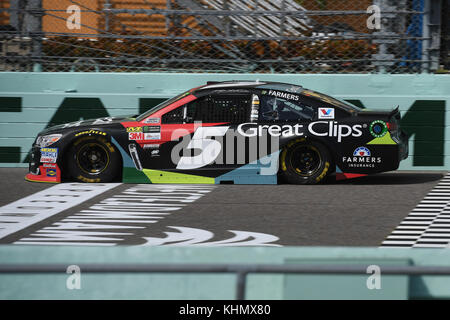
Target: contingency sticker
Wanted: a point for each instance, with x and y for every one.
(49, 155)
(152, 136)
(151, 120)
(50, 172)
(326, 113)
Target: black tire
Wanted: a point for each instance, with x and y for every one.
(93, 159)
(304, 162)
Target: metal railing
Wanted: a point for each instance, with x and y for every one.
(222, 36)
(241, 270)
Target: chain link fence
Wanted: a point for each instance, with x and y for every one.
(237, 36)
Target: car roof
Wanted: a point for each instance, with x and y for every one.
(270, 85)
(240, 84)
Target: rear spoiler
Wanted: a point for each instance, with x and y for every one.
(395, 113)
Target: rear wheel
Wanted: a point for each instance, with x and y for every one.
(93, 160)
(304, 162)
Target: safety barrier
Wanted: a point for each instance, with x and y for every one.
(30, 102)
(241, 271)
(40, 272)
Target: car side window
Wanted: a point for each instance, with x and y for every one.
(232, 109)
(174, 116)
(275, 108)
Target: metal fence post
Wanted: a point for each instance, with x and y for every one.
(241, 284)
(227, 19)
(168, 7)
(283, 18)
(434, 27)
(107, 7)
(33, 29)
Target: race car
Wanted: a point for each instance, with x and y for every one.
(237, 132)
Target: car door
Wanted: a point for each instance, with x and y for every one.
(192, 136)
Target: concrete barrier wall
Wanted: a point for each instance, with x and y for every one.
(30, 102)
(221, 286)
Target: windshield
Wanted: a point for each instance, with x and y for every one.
(339, 103)
(161, 105)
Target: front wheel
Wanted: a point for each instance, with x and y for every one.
(93, 160)
(304, 162)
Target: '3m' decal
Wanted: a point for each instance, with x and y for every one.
(210, 148)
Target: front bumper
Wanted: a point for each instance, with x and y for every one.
(42, 172)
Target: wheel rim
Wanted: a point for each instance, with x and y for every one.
(92, 158)
(306, 160)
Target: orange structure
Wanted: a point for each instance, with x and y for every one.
(4, 16)
(95, 21)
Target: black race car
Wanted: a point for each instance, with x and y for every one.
(242, 132)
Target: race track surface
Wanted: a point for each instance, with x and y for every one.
(359, 212)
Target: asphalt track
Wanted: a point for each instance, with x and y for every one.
(358, 212)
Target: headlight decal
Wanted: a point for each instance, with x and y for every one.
(44, 141)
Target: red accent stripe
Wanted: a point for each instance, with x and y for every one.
(344, 176)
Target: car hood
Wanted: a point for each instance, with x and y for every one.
(99, 122)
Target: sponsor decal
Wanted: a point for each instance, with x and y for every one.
(362, 158)
(294, 89)
(152, 129)
(134, 129)
(151, 120)
(251, 130)
(326, 113)
(49, 165)
(155, 153)
(135, 136)
(151, 146)
(284, 95)
(73, 124)
(254, 114)
(49, 155)
(362, 152)
(317, 128)
(50, 172)
(103, 120)
(89, 132)
(378, 128)
(144, 136)
(333, 129)
(152, 136)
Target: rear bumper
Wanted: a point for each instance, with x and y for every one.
(403, 147)
(42, 172)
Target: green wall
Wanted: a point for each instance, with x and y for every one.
(30, 102)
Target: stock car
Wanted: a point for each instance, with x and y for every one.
(241, 132)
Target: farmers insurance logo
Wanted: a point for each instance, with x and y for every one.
(326, 113)
(362, 158)
(361, 152)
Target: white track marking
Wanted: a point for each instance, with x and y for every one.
(427, 225)
(44, 204)
(131, 215)
(198, 237)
